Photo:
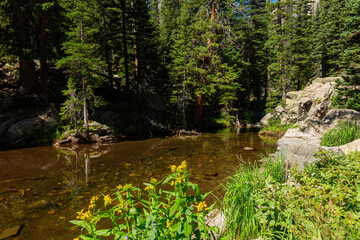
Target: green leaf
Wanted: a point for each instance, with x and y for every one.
(187, 229)
(103, 232)
(79, 223)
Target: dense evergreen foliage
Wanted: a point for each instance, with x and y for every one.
(207, 60)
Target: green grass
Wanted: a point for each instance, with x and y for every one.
(239, 203)
(342, 133)
(275, 128)
(321, 202)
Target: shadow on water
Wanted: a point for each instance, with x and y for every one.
(43, 188)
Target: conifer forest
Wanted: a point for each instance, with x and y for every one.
(204, 63)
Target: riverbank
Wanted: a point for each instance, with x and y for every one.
(320, 202)
(305, 190)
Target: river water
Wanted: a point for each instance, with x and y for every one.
(42, 188)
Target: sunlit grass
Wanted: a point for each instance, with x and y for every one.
(239, 203)
(343, 133)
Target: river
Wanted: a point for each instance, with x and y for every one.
(42, 188)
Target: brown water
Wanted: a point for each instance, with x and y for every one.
(42, 188)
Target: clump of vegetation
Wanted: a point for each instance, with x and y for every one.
(150, 214)
(342, 133)
(275, 128)
(241, 197)
(321, 202)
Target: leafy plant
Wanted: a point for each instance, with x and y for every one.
(342, 133)
(150, 214)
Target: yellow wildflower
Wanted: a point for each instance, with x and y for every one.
(107, 199)
(202, 206)
(182, 167)
(92, 202)
(178, 180)
(173, 168)
(168, 223)
(83, 215)
(119, 187)
(172, 183)
(150, 187)
(76, 238)
(127, 186)
(93, 199)
(153, 180)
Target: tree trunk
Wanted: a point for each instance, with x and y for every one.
(28, 78)
(281, 46)
(43, 60)
(84, 89)
(106, 44)
(137, 78)
(85, 110)
(125, 50)
(200, 103)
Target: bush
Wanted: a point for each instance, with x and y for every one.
(342, 133)
(150, 214)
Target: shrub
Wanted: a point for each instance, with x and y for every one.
(342, 133)
(150, 214)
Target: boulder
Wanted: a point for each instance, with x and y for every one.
(97, 133)
(265, 120)
(299, 144)
(278, 113)
(351, 147)
(313, 101)
(26, 128)
(216, 218)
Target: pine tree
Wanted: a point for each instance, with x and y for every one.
(351, 55)
(32, 30)
(289, 46)
(328, 40)
(182, 65)
(81, 62)
(253, 26)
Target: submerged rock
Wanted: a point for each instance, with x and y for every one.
(11, 232)
(249, 149)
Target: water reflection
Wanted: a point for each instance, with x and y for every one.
(76, 177)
